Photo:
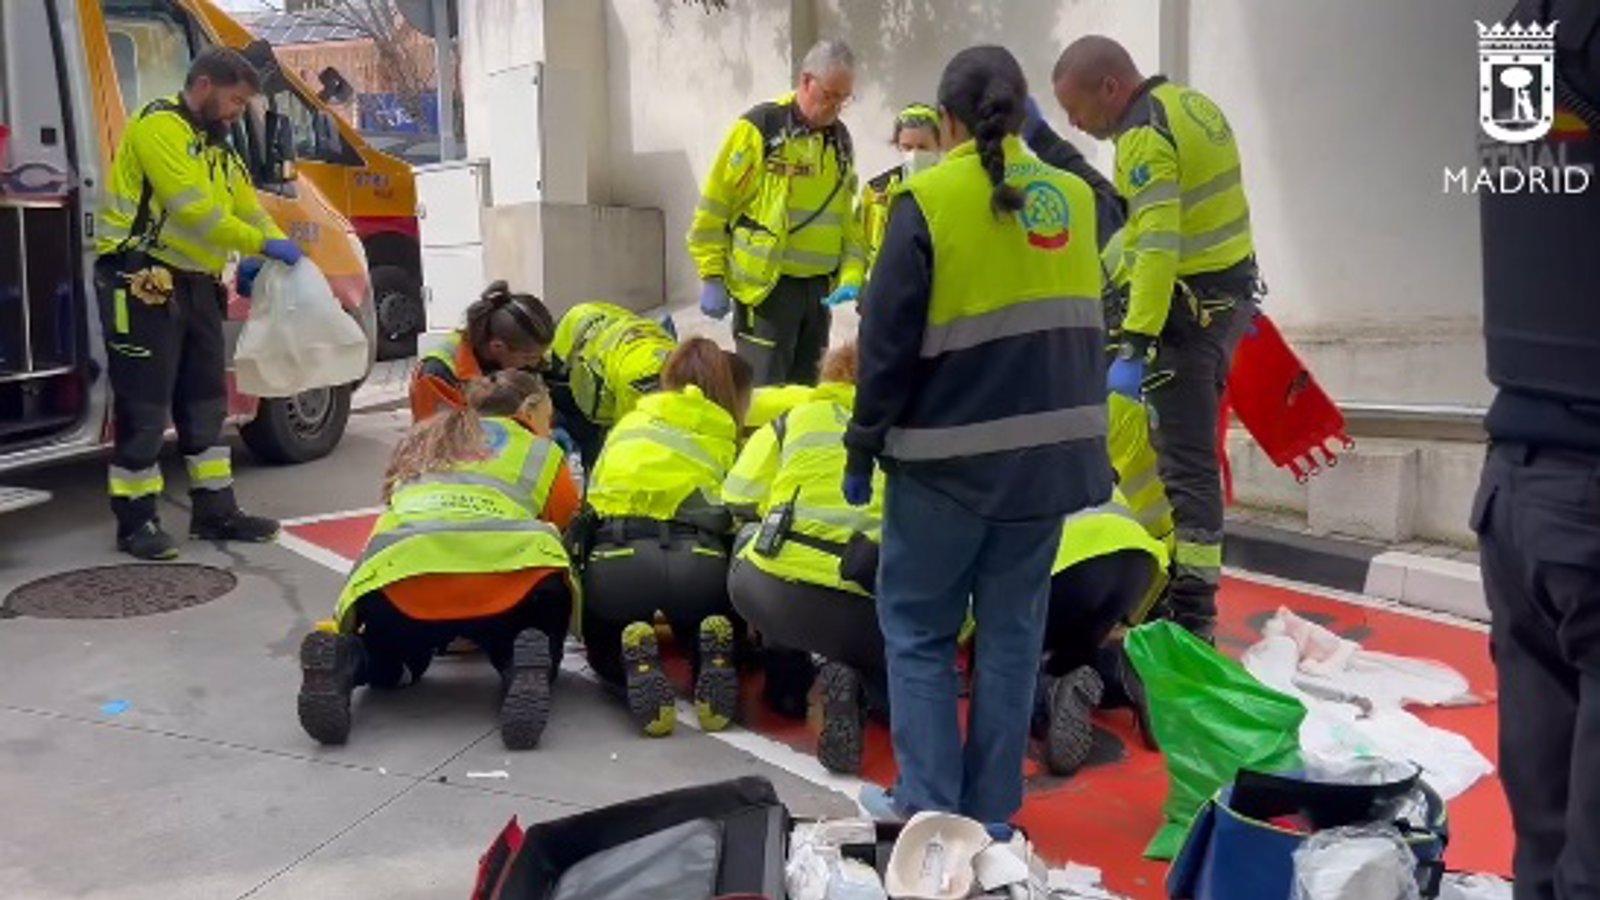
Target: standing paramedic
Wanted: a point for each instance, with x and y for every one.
(1193, 284)
(775, 228)
(981, 389)
(1537, 511)
(178, 203)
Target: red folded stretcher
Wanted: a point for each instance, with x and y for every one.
(1281, 405)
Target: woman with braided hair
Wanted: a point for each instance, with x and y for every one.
(981, 389)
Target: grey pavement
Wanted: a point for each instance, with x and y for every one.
(205, 786)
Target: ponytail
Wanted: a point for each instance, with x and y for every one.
(983, 87)
(455, 436)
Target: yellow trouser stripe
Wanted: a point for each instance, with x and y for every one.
(129, 484)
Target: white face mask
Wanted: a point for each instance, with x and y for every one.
(917, 160)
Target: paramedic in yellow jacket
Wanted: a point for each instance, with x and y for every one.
(916, 137)
(805, 572)
(774, 229)
(655, 539)
(1190, 260)
(178, 203)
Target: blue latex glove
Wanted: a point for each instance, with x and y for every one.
(858, 488)
(244, 278)
(845, 293)
(283, 250)
(714, 298)
(1125, 377)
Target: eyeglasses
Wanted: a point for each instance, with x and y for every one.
(832, 98)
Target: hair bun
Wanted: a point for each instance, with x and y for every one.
(498, 292)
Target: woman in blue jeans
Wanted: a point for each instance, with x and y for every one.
(982, 393)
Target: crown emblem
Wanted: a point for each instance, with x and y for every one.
(1517, 36)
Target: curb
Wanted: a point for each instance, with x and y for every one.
(1412, 579)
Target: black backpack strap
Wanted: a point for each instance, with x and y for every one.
(141, 218)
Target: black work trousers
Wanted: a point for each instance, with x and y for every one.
(1537, 515)
(1184, 393)
(164, 359)
(392, 638)
(797, 620)
(783, 338)
(681, 574)
(1087, 601)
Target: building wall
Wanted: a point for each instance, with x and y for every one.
(1347, 114)
(677, 79)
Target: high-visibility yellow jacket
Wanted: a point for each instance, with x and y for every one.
(777, 202)
(478, 517)
(872, 211)
(201, 205)
(800, 459)
(610, 356)
(1106, 529)
(668, 455)
(769, 402)
(1178, 166)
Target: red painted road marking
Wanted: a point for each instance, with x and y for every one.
(1105, 815)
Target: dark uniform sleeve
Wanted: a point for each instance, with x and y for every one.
(1110, 210)
(893, 318)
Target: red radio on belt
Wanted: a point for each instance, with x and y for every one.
(1281, 405)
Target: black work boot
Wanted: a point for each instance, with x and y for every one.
(526, 707)
(139, 532)
(1071, 733)
(329, 668)
(843, 720)
(148, 542)
(216, 517)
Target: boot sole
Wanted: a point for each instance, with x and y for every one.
(526, 707)
(324, 701)
(716, 691)
(1071, 735)
(650, 697)
(840, 743)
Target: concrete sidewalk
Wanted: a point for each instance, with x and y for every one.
(160, 756)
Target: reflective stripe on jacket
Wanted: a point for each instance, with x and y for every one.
(673, 450)
(1178, 167)
(804, 464)
(611, 357)
(480, 516)
(202, 205)
(777, 202)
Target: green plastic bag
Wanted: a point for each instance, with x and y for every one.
(1212, 718)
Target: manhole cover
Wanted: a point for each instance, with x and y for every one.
(119, 592)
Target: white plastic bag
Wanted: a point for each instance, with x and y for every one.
(1359, 863)
(297, 337)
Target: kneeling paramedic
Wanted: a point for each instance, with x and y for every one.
(504, 330)
(468, 546)
(1108, 571)
(179, 201)
(804, 576)
(604, 358)
(655, 538)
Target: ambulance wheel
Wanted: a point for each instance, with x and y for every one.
(398, 298)
(298, 429)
